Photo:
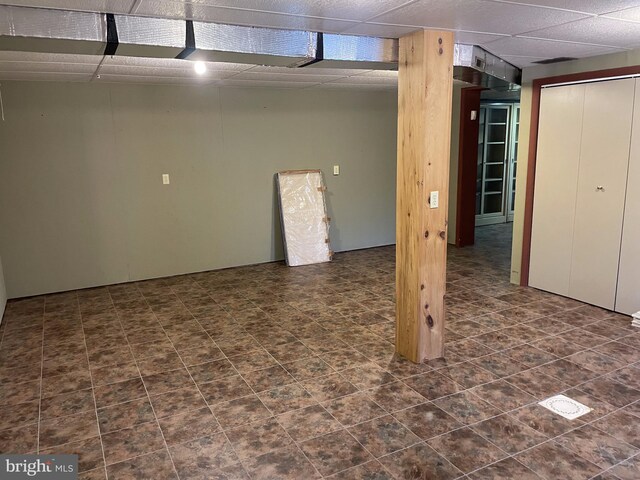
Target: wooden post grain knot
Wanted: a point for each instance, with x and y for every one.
(430, 321)
(442, 235)
(426, 234)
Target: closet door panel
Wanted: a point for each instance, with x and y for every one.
(628, 295)
(559, 135)
(602, 180)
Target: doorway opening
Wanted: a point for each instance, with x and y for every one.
(499, 124)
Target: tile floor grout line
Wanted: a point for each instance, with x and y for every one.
(275, 416)
(166, 446)
(196, 385)
(93, 392)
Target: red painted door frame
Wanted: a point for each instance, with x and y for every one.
(467, 166)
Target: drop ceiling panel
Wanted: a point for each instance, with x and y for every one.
(283, 77)
(47, 67)
(46, 77)
(358, 10)
(258, 83)
(309, 70)
(173, 63)
(381, 30)
(238, 16)
(604, 31)
(532, 47)
(151, 79)
(630, 14)
(477, 38)
(367, 80)
(478, 15)
(189, 73)
(34, 57)
(111, 6)
(522, 61)
(588, 6)
(361, 87)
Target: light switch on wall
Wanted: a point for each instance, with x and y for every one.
(165, 179)
(433, 200)
(336, 169)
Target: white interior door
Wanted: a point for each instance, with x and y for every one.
(558, 157)
(602, 181)
(628, 294)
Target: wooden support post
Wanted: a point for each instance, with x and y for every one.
(425, 82)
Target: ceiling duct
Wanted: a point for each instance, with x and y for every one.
(260, 46)
(150, 37)
(26, 29)
(58, 31)
(474, 65)
(350, 51)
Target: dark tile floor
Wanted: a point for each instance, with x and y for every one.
(270, 372)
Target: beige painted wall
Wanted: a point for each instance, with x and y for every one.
(601, 62)
(81, 197)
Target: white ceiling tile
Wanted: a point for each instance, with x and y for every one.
(109, 6)
(533, 47)
(34, 57)
(477, 16)
(46, 77)
(587, 6)
(381, 30)
(354, 86)
(358, 10)
(393, 74)
(47, 67)
(237, 16)
(308, 70)
(604, 31)
(522, 61)
(173, 63)
(258, 83)
(630, 14)
(151, 79)
(283, 77)
(477, 38)
(368, 80)
(187, 73)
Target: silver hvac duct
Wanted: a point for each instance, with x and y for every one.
(52, 31)
(58, 31)
(260, 46)
(350, 51)
(473, 64)
(148, 37)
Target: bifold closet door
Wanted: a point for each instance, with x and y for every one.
(559, 136)
(628, 295)
(602, 183)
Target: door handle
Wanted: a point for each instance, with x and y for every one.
(599, 188)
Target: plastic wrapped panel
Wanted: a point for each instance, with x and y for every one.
(305, 224)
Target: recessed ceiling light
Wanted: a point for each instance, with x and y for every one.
(200, 68)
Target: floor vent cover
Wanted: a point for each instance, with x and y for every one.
(565, 406)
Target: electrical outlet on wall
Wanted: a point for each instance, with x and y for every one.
(165, 179)
(336, 169)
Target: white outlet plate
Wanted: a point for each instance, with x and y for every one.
(165, 179)
(433, 199)
(336, 169)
